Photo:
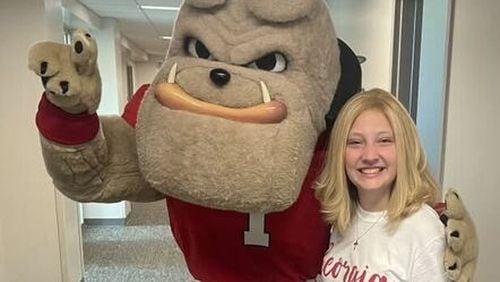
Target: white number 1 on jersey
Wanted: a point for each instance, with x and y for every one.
(256, 234)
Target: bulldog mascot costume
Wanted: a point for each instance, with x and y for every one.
(229, 132)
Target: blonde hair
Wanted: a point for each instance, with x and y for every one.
(414, 184)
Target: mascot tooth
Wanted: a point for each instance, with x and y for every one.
(230, 132)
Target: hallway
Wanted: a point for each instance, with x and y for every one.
(141, 250)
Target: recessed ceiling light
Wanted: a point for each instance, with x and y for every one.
(166, 37)
(163, 8)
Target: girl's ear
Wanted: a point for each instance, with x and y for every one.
(204, 4)
(281, 11)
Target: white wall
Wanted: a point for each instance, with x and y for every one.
(70, 238)
(29, 236)
(368, 28)
(473, 130)
(3, 261)
(110, 66)
(145, 72)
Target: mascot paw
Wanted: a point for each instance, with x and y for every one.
(452, 265)
(69, 72)
(462, 243)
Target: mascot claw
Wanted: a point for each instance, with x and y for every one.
(172, 96)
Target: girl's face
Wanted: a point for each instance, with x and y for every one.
(370, 157)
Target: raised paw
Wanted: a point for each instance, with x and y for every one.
(69, 72)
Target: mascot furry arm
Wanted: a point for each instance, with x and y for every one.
(229, 132)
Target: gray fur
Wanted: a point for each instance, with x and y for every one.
(102, 170)
(281, 11)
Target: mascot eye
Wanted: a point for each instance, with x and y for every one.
(197, 49)
(273, 62)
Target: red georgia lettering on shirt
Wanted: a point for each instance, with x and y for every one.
(350, 273)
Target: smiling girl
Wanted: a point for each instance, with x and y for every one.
(375, 189)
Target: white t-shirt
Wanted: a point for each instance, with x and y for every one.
(414, 252)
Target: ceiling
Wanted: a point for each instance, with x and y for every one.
(142, 27)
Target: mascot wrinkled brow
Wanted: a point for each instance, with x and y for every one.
(229, 132)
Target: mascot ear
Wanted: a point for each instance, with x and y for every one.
(281, 11)
(204, 4)
(349, 82)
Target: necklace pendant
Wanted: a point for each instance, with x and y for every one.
(355, 245)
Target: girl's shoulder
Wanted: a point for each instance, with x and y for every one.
(423, 223)
(426, 212)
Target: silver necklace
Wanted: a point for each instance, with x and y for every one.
(356, 242)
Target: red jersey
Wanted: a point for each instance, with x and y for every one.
(213, 241)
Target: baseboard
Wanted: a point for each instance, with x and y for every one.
(104, 221)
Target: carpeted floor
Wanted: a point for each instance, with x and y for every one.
(154, 213)
(141, 250)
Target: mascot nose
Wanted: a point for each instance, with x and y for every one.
(220, 77)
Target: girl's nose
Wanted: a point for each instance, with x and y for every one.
(370, 155)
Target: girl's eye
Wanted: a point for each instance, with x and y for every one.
(197, 49)
(353, 142)
(386, 140)
(272, 62)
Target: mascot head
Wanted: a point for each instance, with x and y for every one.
(232, 118)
